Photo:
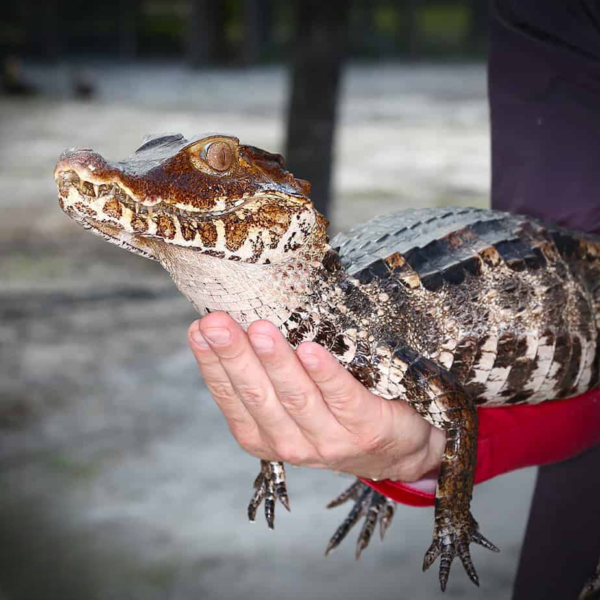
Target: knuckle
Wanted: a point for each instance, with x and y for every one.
(332, 454)
(221, 391)
(252, 396)
(295, 401)
(375, 443)
(337, 398)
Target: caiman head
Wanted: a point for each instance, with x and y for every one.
(211, 194)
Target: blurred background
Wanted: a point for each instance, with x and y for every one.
(119, 478)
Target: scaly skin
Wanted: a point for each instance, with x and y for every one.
(445, 309)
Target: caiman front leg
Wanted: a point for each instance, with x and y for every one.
(269, 486)
(433, 392)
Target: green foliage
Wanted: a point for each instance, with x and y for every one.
(386, 19)
(443, 24)
(378, 28)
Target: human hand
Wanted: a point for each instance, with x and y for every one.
(302, 407)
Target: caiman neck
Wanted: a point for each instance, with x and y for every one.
(249, 292)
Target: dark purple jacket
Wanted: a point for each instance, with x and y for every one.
(544, 89)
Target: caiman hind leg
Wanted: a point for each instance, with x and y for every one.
(368, 503)
(269, 486)
(447, 406)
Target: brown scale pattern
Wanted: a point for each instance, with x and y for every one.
(520, 281)
(236, 231)
(139, 225)
(84, 209)
(165, 228)
(113, 208)
(188, 228)
(208, 233)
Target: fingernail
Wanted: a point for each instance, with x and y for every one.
(261, 343)
(310, 361)
(217, 335)
(198, 339)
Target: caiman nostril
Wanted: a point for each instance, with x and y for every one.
(75, 152)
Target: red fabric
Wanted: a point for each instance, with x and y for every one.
(511, 438)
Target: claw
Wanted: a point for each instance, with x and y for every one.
(385, 517)
(465, 557)
(348, 523)
(269, 485)
(432, 553)
(280, 491)
(367, 531)
(482, 541)
(353, 492)
(258, 497)
(448, 554)
(270, 505)
(370, 504)
(283, 498)
(451, 540)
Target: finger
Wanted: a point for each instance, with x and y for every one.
(249, 379)
(377, 422)
(297, 392)
(348, 400)
(239, 419)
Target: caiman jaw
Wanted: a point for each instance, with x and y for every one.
(107, 193)
(236, 202)
(84, 201)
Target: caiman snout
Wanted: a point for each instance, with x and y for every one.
(85, 162)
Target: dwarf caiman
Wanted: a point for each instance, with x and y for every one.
(446, 309)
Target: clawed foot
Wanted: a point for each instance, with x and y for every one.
(269, 486)
(451, 537)
(368, 503)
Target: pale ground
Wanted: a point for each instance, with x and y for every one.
(120, 480)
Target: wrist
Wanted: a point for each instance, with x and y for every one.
(426, 464)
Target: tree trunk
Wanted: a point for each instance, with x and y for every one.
(206, 36)
(128, 14)
(257, 29)
(478, 26)
(318, 54)
(407, 36)
(48, 28)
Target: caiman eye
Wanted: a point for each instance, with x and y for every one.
(219, 156)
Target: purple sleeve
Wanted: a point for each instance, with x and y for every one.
(544, 90)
